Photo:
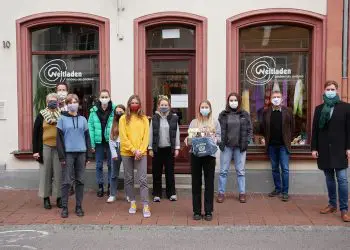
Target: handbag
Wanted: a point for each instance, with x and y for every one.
(203, 146)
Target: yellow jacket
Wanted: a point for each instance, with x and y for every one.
(134, 135)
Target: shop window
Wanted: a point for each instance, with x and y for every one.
(65, 53)
(276, 57)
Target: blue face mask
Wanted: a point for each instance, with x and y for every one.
(330, 94)
(205, 112)
(52, 105)
(164, 109)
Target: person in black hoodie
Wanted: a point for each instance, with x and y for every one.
(73, 146)
(45, 152)
(236, 132)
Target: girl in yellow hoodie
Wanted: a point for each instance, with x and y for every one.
(134, 138)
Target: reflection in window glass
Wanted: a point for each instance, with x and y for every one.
(274, 36)
(65, 37)
(262, 73)
(80, 72)
(171, 78)
(170, 37)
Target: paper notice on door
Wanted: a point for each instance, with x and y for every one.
(170, 33)
(179, 101)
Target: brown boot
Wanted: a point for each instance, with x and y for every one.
(242, 198)
(220, 198)
(345, 216)
(328, 210)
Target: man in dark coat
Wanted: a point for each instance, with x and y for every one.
(331, 146)
(277, 127)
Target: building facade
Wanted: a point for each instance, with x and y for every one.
(188, 50)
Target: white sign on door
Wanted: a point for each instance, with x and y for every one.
(179, 101)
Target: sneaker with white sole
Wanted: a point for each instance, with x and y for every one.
(128, 199)
(173, 197)
(111, 199)
(146, 211)
(156, 199)
(132, 209)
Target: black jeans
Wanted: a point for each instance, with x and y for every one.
(163, 157)
(73, 171)
(207, 165)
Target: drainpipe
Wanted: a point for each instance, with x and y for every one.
(345, 51)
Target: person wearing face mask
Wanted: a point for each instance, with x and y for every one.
(134, 138)
(45, 151)
(164, 146)
(100, 123)
(73, 146)
(236, 132)
(114, 145)
(330, 145)
(277, 127)
(206, 164)
(62, 92)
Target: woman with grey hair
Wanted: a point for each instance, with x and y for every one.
(45, 152)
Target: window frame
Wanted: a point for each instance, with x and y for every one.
(317, 74)
(24, 27)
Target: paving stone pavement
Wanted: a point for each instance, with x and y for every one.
(24, 207)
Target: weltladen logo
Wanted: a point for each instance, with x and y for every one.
(263, 69)
(55, 71)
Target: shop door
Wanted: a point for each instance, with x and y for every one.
(173, 76)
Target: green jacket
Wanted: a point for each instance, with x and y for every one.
(95, 127)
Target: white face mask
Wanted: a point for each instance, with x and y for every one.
(105, 101)
(233, 104)
(62, 94)
(276, 101)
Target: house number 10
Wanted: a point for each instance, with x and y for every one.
(6, 44)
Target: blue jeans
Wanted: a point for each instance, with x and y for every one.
(239, 160)
(279, 156)
(342, 179)
(100, 155)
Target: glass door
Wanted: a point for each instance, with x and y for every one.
(173, 77)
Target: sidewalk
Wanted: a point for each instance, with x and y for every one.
(19, 207)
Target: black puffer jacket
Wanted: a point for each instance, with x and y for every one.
(246, 131)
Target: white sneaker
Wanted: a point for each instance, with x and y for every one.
(146, 211)
(132, 209)
(156, 199)
(127, 199)
(173, 197)
(111, 199)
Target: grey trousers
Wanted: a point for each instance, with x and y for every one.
(50, 173)
(130, 164)
(74, 170)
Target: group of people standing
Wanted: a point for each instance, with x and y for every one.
(63, 142)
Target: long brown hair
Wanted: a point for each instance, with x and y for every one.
(239, 99)
(140, 112)
(115, 126)
(200, 119)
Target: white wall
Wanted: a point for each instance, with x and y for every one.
(122, 51)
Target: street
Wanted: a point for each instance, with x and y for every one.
(165, 237)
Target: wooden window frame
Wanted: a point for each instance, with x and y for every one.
(295, 17)
(24, 64)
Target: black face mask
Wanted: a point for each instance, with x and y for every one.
(52, 105)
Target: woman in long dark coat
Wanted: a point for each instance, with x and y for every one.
(331, 147)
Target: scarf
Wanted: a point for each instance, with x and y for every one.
(326, 110)
(50, 117)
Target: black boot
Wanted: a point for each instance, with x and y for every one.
(109, 190)
(47, 204)
(59, 202)
(100, 191)
(64, 213)
(79, 211)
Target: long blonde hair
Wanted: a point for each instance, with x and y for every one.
(205, 122)
(139, 113)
